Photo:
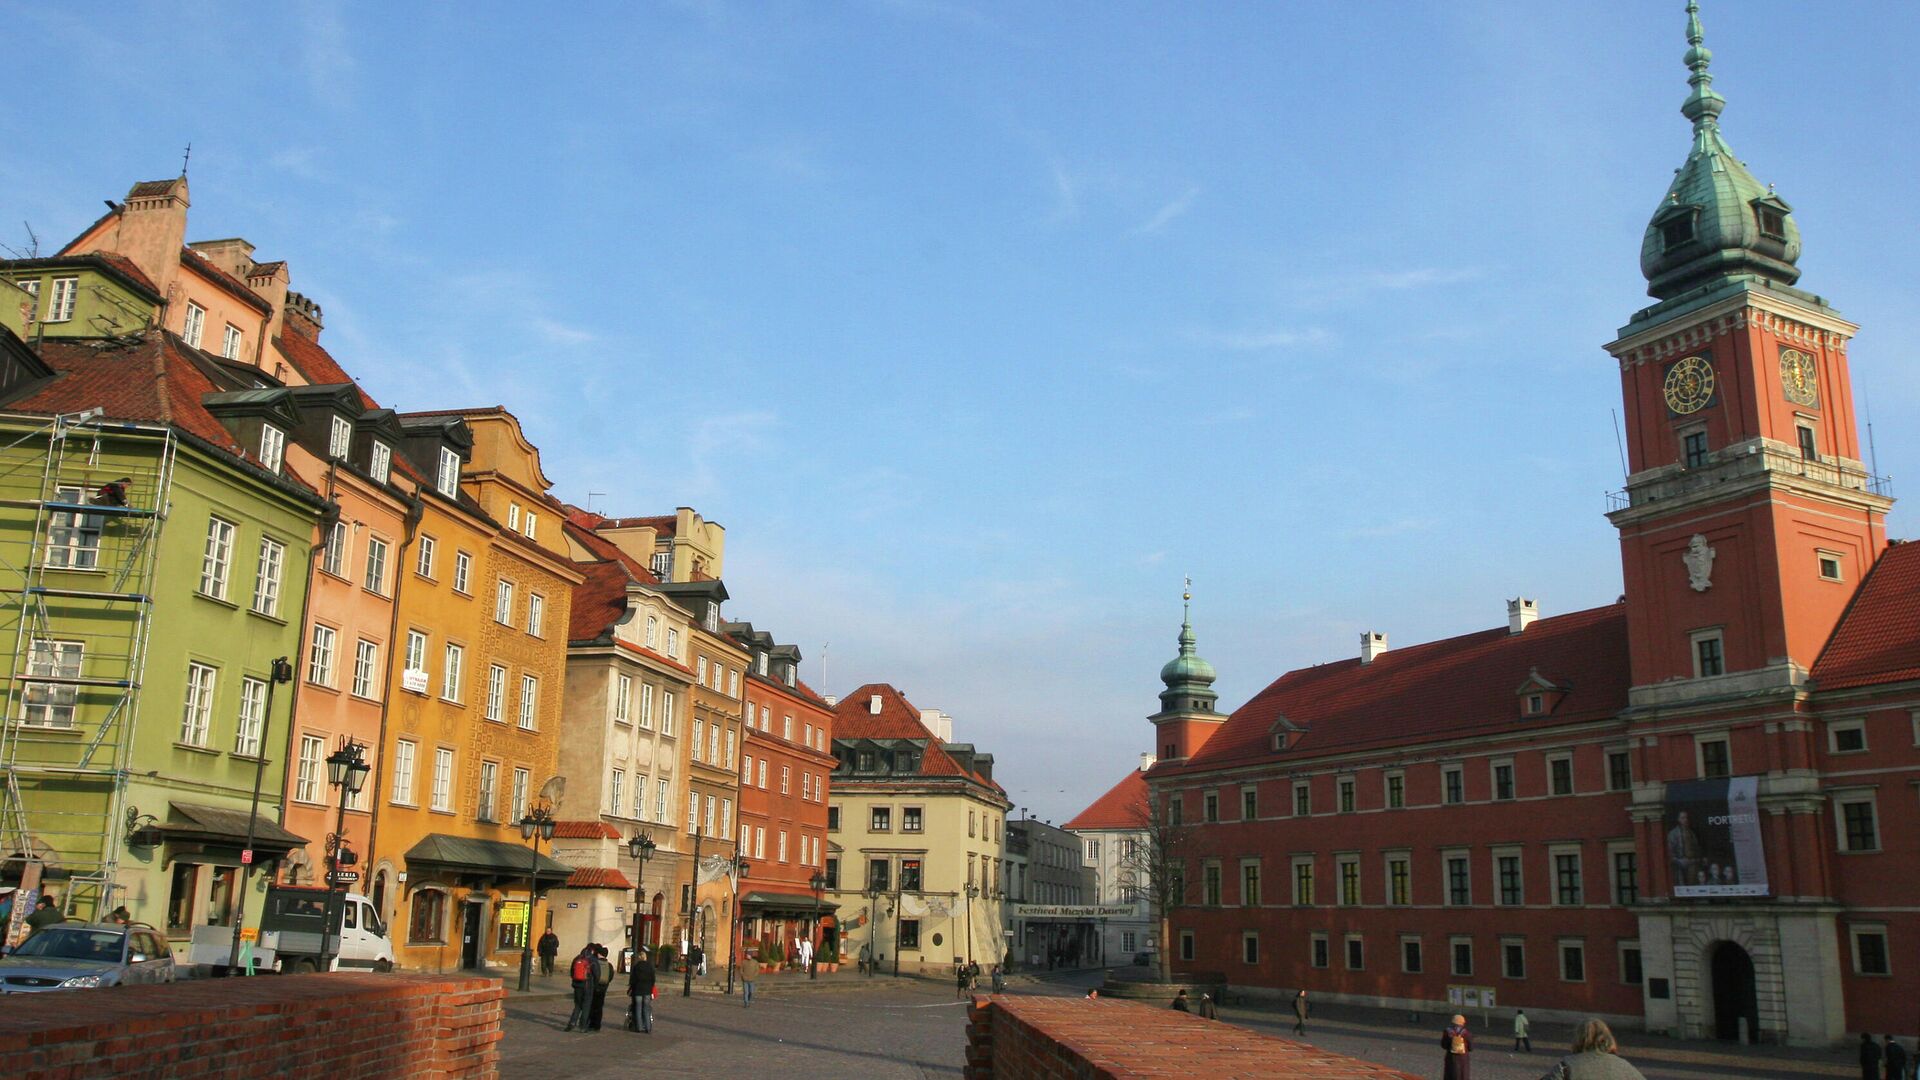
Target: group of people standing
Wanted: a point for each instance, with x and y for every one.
(1899, 1066)
(1595, 1053)
(592, 974)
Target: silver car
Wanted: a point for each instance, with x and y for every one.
(79, 956)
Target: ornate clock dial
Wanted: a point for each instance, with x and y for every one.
(1798, 377)
(1689, 385)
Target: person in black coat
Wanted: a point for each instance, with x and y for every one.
(1869, 1058)
(602, 978)
(548, 948)
(1896, 1059)
(640, 982)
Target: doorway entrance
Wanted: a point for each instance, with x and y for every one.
(1735, 997)
(472, 924)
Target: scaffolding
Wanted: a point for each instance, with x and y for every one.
(82, 502)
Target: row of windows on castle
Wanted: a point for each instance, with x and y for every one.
(913, 819)
(1867, 943)
(1566, 884)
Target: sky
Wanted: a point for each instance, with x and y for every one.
(981, 326)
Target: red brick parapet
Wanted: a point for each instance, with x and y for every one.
(1049, 1038)
(340, 1026)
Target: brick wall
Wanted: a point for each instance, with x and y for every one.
(341, 1026)
(1017, 1038)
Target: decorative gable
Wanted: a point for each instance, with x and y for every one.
(1539, 695)
(1281, 734)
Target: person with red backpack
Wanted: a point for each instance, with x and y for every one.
(583, 978)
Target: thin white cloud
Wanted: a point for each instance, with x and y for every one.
(1395, 527)
(324, 54)
(1066, 191)
(559, 333)
(1261, 340)
(1167, 214)
(1342, 287)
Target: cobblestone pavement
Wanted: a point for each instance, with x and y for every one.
(907, 1031)
(914, 1030)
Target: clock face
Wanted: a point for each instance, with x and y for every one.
(1798, 377)
(1689, 385)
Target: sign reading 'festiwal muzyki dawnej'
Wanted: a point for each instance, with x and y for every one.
(1713, 838)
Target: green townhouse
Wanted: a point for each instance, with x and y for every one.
(154, 555)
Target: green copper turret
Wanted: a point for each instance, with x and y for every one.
(1188, 678)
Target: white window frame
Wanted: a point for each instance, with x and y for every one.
(309, 784)
(442, 797)
(1845, 797)
(1454, 770)
(1518, 854)
(376, 579)
(462, 572)
(216, 558)
(1835, 727)
(666, 712)
(55, 703)
(380, 464)
(1319, 944)
(532, 529)
(620, 702)
(196, 713)
(1494, 766)
(405, 753)
(250, 724)
(488, 797)
(453, 668)
(1506, 941)
(1700, 740)
(334, 559)
(646, 706)
(1560, 958)
(423, 555)
(529, 702)
(1454, 942)
(273, 447)
(1386, 789)
(415, 658)
(266, 581)
(1573, 787)
(503, 602)
(63, 299)
(339, 437)
(536, 614)
(73, 538)
(1821, 557)
(322, 647)
(1554, 853)
(513, 516)
(366, 668)
(446, 477)
(1693, 649)
(1854, 932)
(1446, 876)
(194, 326)
(522, 785)
(616, 789)
(1386, 881)
(496, 693)
(1347, 943)
(232, 342)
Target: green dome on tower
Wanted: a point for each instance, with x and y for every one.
(1188, 678)
(1716, 222)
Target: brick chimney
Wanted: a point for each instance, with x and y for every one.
(1372, 644)
(303, 316)
(1520, 614)
(152, 229)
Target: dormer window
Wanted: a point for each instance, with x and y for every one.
(230, 345)
(760, 663)
(273, 447)
(447, 478)
(532, 525)
(713, 618)
(1536, 704)
(1279, 742)
(513, 516)
(1773, 224)
(789, 675)
(340, 438)
(1676, 232)
(662, 564)
(381, 465)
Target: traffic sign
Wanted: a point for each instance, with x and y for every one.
(344, 877)
(246, 857)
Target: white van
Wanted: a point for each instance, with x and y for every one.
(294, 927)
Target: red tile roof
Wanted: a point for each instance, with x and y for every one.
(152, 380)
(854, 718)
(1124, 806)
(598, 877)
(585, 830)
(317, 365)
(1454, 688)
(598, 601)
(1878, 639)
(580, 524)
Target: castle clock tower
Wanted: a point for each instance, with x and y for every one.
(1187, 716)
(1748, 519)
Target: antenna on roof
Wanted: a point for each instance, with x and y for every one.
(1619, 443)
(823, 664)
(590, 496)
(184, 158)
(1873, 452)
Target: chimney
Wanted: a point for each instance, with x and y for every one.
(937, 722)
(152, 229)
(831, 700)
(873, 704)
(303, 315)
(1146, 762)
(1372, 644)
(1520, 614)
(234, 255)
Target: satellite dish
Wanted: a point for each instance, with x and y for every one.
(553, 789)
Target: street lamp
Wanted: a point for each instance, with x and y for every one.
(280, 671)
(641, 848)
(535, 827)
(872, 893)
(693, 901)
(819, 883)
(347, 770)
(741, 868)
(972, 891)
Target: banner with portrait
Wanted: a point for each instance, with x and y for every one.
(1713, 838)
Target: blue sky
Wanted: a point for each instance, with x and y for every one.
(980, 326)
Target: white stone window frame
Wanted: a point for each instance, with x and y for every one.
(1554, 852)
(423, 556)
(1848, 796)
(1493, 779)
(1259, 882)
(1307, 786)
(380, 462)
(1342, 860)
(1245, 791)
(1346, 794)
(1851, 723)
(1459, 770)
(1319, 944)
(339, 437)
(1700, 740)
(446, 477)
(1854, 933)
(1560, 947)
(1507, 940)
(1293, 880)
(1387, 860)
(62, 300)
(1821, 557)
(1709, 633)
(232, 342)
(1446, 877)
(1250, 948)
(1573, 786)
(1620, 950)
(1453, 955)
(1414, 940)
(1386, 789)
(194, 326)
(1606, 758)
(1508, 851)
(1620, 847)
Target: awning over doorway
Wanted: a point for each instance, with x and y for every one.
(470, 859)
(767, 902)
(195, 832)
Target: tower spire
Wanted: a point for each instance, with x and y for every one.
(1703, 105)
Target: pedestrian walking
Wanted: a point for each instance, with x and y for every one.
(548, 949)
(866, 964)
(959, 980)
(1180, 1001)
(1896, 1056)
(640, 991)
(582, 976)
(1301, 1010)
(602, 978)
(1457, 1041)
(1208, 1010)
(999, 979)
(1870, 1055)
(749, 971)
(1520, 1026)
(1596, 1056)
(699, 960)
(973, 976)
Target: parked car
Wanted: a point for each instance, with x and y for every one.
(81, 956)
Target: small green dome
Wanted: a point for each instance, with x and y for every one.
(1716, 220)
(1188, 667)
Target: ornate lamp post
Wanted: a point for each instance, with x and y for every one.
(641, 848)
(347, 770)
(819, 885)
(972, 891)
(535, 827)
(280, 671)
(693, 901)
(872, 893)
(741, 868)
